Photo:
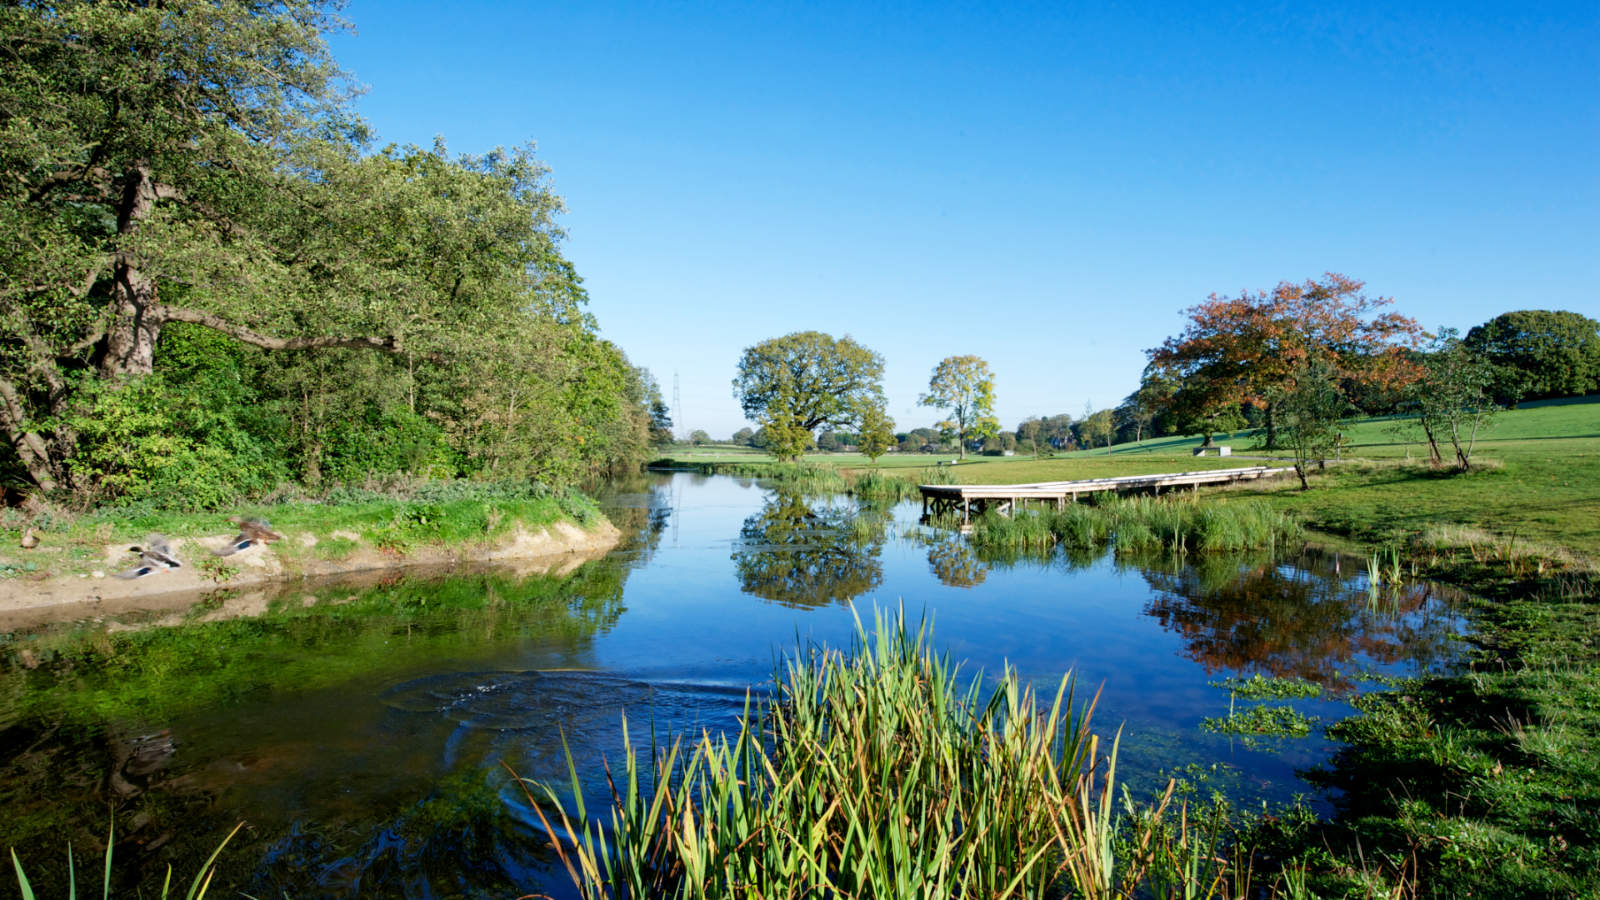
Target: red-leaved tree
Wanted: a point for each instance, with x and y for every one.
(1236, 350)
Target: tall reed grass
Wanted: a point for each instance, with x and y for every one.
(1141, 524)
(880, 772)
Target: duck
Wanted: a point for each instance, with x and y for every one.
(30, 538)
(155, 556)
(251, 533)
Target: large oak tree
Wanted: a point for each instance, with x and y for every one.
(794, 384)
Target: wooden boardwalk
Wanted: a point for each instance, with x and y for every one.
(967, 499)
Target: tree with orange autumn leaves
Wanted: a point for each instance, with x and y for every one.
(1240, 351)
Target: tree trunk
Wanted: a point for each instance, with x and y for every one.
(31, 450)
(136, 316)
(1272, 429)
(1434, 457)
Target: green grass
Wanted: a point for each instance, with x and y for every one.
(1141, 524)
(875, 773)
(432, 514)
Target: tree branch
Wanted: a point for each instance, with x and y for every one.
(389, 344)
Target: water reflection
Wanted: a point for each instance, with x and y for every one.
(1305, 620)
(362, 735)
(176, 733)
(808, 553)
(955, 564)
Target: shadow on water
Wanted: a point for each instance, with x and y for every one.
(175, 733)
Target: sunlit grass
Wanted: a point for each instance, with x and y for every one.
(878, 772)
(1141, 524)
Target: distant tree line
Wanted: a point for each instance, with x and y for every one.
(212, 284)
(1291, 362)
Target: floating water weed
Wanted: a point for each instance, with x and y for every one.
(1268, 721)
(1261, 687)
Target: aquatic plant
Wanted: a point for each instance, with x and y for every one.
(1262, 687)
(1262, 720)
(1142, 524)
(877, 772)
(197, 888)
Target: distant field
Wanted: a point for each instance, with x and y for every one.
(1536, 477)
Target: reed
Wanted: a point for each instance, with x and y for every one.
(879, 486)
(197, 887)
(1142, 524)
(874, 773)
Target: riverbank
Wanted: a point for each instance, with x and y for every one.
(1474, 783)
(71, 573)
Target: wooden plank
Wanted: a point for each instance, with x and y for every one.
(1013, 495)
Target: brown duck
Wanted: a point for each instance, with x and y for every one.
(251, 533)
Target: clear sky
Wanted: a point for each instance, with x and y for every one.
(1046, 186)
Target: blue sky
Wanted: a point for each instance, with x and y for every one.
(1047, 186)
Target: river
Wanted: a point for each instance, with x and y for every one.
(365, 735)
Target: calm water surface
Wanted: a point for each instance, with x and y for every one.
(363, 735)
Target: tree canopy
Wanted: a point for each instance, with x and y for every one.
(195, 166)
(794, 384)
(964, 385)
(1540, 353)
(1236, 350)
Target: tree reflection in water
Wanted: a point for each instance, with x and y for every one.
(809, 554)
(955, 563)
(1249, 614)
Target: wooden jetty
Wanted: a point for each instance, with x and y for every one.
(967, 499)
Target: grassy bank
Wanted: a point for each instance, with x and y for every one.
(431, 514)
(1478, 783)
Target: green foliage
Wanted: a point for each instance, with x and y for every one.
(150, 439)
(185, 189)
(965, 386)
(1097, 428)
(1540, 353)
(794, 384)
(1452, 400)
(1140, 524)
(1309, 407)
(877, 433)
